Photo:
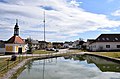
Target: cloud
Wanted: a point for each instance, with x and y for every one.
(62, 18)
(116, 13)
(74, 3)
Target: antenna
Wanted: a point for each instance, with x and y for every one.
(44, 47)
(44, 25)
(16, 21)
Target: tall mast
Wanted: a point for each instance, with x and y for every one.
(44, 26)
(44, 47)
(16, 21)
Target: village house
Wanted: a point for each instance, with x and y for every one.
(32, 44)
(57, 45)
(43, 44)
(15, 45)
(2, 47)
(67, 44)
(78, 44)
(105, 42)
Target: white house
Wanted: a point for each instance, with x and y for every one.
(68, 44)
(76, 44)
(2, 47)
(105, 42)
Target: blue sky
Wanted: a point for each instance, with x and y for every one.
(66, 20)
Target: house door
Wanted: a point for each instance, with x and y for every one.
(20, 50)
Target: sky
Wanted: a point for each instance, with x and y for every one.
(66, 20)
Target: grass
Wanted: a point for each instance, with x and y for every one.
(43, 52)
(75, 51)
(110, 54)
(6, 65)
(1, 54)
(18, 73)
(70, 52)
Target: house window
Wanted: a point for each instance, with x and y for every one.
(103, 38)
(118, 46)
(107, 46)
(94, 46)
(107, 38)
(116, 38)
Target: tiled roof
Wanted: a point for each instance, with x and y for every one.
(16, 40)
(90, 40)
(57, 43)
(108, 38)
(34, 41)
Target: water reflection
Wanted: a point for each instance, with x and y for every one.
(72, 67)
(105, 65)
(29, 66)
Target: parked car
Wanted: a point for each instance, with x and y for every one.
(52, 49)
(56, 50)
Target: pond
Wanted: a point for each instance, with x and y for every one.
(73, 67)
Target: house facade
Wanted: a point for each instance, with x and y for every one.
(78, 44)
(15, 45)
(67, 44)
(105, 42)
(57, 45)
(2, 47)
(43, 44)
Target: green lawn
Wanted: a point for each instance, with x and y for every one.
(110, 54)
(6, 65)
(1, 54)
(43, 52)
(77, 51)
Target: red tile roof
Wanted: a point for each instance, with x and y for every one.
(16, 40)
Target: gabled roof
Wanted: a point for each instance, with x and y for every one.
(16, 40)
(108, 38)
(90, 40)
(42, 42)
(57, 43)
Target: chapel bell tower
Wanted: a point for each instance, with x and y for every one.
(16, 29)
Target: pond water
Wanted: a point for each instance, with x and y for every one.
(74, 67)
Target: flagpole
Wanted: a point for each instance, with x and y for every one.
(44, 29)
(44, 47)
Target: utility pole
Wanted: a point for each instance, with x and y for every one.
(44, 47)
(44, 30)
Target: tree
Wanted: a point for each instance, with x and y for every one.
(29, 41)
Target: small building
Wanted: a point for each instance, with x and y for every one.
(43, 44)
(32, 44)
(105, 42)
(67, 44)
(35, 44)
(78, 44)
(15, 45)
(57, 45)
(2, 47)
(88, 43)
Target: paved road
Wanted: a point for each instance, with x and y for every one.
(60, 52)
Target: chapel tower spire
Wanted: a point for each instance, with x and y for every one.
(16, 29)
